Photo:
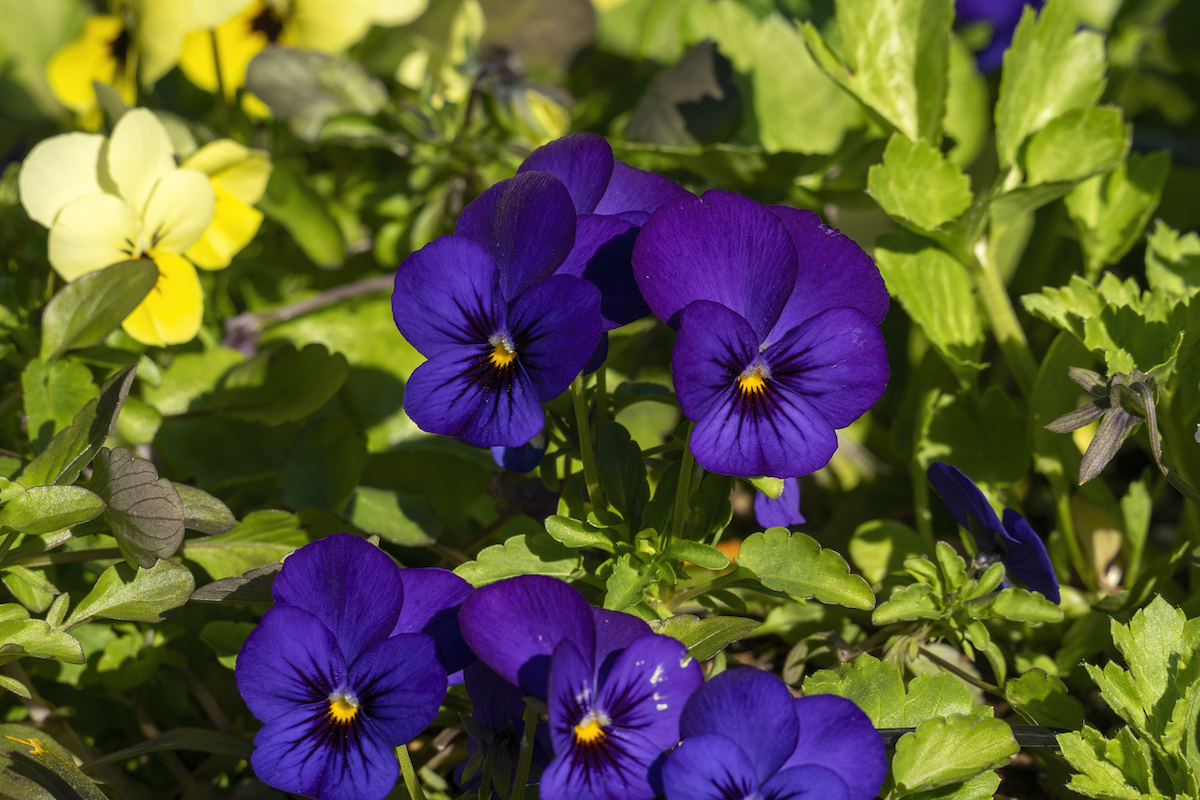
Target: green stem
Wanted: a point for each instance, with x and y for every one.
(716, 583)
(1003, 318)
(921, 513)
(485, 779)
(601, 399)
(222, 100)
(1066, 524)
(525, 758)
(966, 676)
(68, 557)
(682, 488)
(590, 476)
(415, 792)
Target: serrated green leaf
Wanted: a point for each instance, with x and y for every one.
(1173, 260)
(982, 787)
(1066, 306)
(878, 689)
(142, 595)
(1020, 605)
(702, 555)
(54, 393)
(144, 510)
(204, 513)
(43, 509)
(626, 585)
(946, 750)
(915, 601)
(1043, 699)
(1110, 212)
(917, 183)
(574, 533)
(262, 538)
(89, 308)
(706, 637)
(522, 554)
(1086, 751)
(796, 564)
(1077, 145)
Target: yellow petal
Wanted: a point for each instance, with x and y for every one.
(238, 170)
(234, 225)
(399, 12)
(171, 313)
(91, 233)
(239, 39)
(208, 14)
(178, 211)
(139, 154)
(58, 170)
(162, 25)
(328, 26)
(97, 55)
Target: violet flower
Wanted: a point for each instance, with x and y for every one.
(1014, 542)
(782, 511)
(778, 329)
(1002, 17)
(745, 736)
(336, 691)
(502, 333)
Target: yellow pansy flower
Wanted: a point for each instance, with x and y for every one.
(104, 52)
(239, 177)
(108, 201)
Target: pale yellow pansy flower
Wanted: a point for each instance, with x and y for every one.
(108, 201)
(104, 52)
(239, 177)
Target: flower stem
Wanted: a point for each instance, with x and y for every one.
(222, 100)
(682, 488)
(1003, 318)
(587, 455)
(415, 792)
(525, 758)
(601, 399)
(966, 676)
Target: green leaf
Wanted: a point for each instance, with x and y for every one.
(702, 555)
(34, 767)
(294, 204)
(982, 787)
(879, 548)
(897, 56)
(916, 601)
(935, 290)
(1043, 699)
(396, 517)
(575, 533)
(283, 386)
(204, 513)
(626, 586)
(226, 639)
(92, 306)
(20, 637)
(523, 554)
(253, 587)
(968, 109)
(771, 487)
(324, 465)
(916, 183)
(1049, 69)
(1111, 210)
(75, 446)
(706, 637)
(1088, 751)
(200, 740)
(1173, 260)
(142, 595)
(262, 538)
(948, 750)
(622, 473)
(796, 564)
(54, 393)
(976, 432)
(1076, 145)
(144, 510)
(15, 686)
(44, 509)
(1020, 605)
(878, 689)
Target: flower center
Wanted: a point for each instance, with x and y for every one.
(268, 23)
(503, 352)
(754, 379)
(343, 707)
(590, 730)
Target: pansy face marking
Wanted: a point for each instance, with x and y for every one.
(503, 352)
(343, 707)
(589, 731)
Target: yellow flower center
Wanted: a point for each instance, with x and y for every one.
(503, 353)
(589, 731)
(754, 380)
(343, 707)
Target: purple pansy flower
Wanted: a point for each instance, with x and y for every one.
(614, 690)
(782, 511)
(1002, 16)
(745, 736)
(778, 319)
(502, 333)
(336, 690)
(1014, 542)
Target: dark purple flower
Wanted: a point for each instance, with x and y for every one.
(335, 689)
(778, 319)
(744, 735)
(782, 511)
(1013, 542)
(502, 333)
(521, 459)
(1001, 16)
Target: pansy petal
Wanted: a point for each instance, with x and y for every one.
(712, 349)
(1026, 558)
(582, 161)
(172, 312)
(513, 626)
(834, 271)
(837, 735)
(809, 782)
(494, 701)
(615, 630)
(140, 153)
(782, 511)
(91, 233)
(447, 294)
(571, 694)
(239, 170)
(290, 660)
(524, 458)
(752, 707)
(646, 689)
(400, 686)
(965, 503)
(602, 254)
(91, 57)
(432, 597)
(179, 210)
(837, 360)
(527, 223)
(709, 766)
(233, 226)
(634, 190)
(720, 247)
(555, 326)
(349, 584)
(57, 171)
(460, 393)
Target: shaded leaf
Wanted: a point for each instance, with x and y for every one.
(283, 386)
(706, 637)
(144, 510)
(253, 587)
(33, 767)
(203, 512)
(261, 538)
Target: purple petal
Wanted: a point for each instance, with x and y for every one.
(646, 689)
(837, 360)
(834, 271)
(1026, 558)
(709, 766)
(289, 661)
(349, 584)
(432, 598)
(714, 346)
(837, 735)
(296, 754)
(615, 630)
(572, 694)
(751, 707)
(447, 294)
(526, 223)
(602, 254)
(521, 459)
(633, 190)
(555, 327)
(809, 782)
(596, 359)
(969, 507)
(721, 247)
(513, 625)
(459, 393)
(782, 511)
(400, 685)
(582, 161)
